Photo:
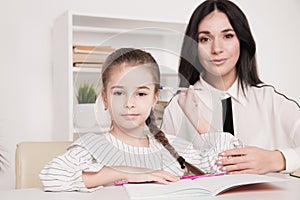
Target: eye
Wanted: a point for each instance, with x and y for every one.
(141, 94)
(228, 36)
(118, 93)
(203, 39)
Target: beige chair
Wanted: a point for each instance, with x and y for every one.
(31, 157)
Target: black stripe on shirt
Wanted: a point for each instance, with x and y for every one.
(271, 86)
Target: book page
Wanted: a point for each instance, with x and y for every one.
(296, 173)
(220, 184)
(208, 186)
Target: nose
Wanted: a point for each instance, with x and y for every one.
(216, 47)
(130, 102)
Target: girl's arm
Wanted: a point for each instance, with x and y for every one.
(112, 174)
(76, 170)
(64, 173)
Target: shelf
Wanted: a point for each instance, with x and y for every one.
(134, 31)
(86, 70)
(162, 39)
(98, 70)
(96, 21)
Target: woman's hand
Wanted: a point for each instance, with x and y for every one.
(251, 160)
(188, 102)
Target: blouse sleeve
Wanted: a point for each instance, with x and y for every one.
(194, 156)
(64, 173)
(206, 157)
(288, 116)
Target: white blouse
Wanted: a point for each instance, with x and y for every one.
(93, 151)
(262, 117)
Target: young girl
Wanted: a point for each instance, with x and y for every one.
(129, 151)
(218, 59)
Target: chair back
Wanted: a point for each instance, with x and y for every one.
(31, 157)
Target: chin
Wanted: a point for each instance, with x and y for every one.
(129, 126)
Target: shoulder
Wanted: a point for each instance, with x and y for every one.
(99, 146)
(268, 92)
(89, 139)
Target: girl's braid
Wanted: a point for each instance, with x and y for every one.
(161, 138)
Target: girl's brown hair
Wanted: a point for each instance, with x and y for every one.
(136, 57)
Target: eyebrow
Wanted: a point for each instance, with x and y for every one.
(143, 87)
(117, 87)
(122, 87)
(223, 31)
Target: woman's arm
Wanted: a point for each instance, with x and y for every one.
(188, 102)
(285, 156)
(251, 160)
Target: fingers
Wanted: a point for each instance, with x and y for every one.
(251, 160)
(246, 171)
(165, 177)
(234, 165)
(235, 152)
(233, 160)
(181, 98)
(188, 96)
(244, 160)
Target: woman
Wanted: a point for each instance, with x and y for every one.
(218, 59)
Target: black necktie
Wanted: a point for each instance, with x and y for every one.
(227, 116)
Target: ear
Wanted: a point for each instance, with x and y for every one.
(104, 98)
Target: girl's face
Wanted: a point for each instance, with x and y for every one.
(218, 47)
(130, 95)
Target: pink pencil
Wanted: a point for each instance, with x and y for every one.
(200, 176)
(181, 178)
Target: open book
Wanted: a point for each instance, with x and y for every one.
(296, 173)
(207, 186)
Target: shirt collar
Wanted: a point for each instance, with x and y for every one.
(234, 91)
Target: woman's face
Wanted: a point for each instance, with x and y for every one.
(218, 47)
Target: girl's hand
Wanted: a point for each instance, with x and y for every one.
(251, 160)
(111, 174)
(158, 176)
(188, 102)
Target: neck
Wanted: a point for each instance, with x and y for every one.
(134, 137)
(220, 82)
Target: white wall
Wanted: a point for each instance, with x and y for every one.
(26, 72)
(276, 29)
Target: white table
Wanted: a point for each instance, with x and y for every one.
(289, 190)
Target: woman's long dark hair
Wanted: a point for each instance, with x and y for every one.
(189, 65)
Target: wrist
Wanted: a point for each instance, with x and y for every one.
(121, 173)
(204, 127)
(279, 161)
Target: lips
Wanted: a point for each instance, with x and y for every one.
(218, 62)
(130, 116)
